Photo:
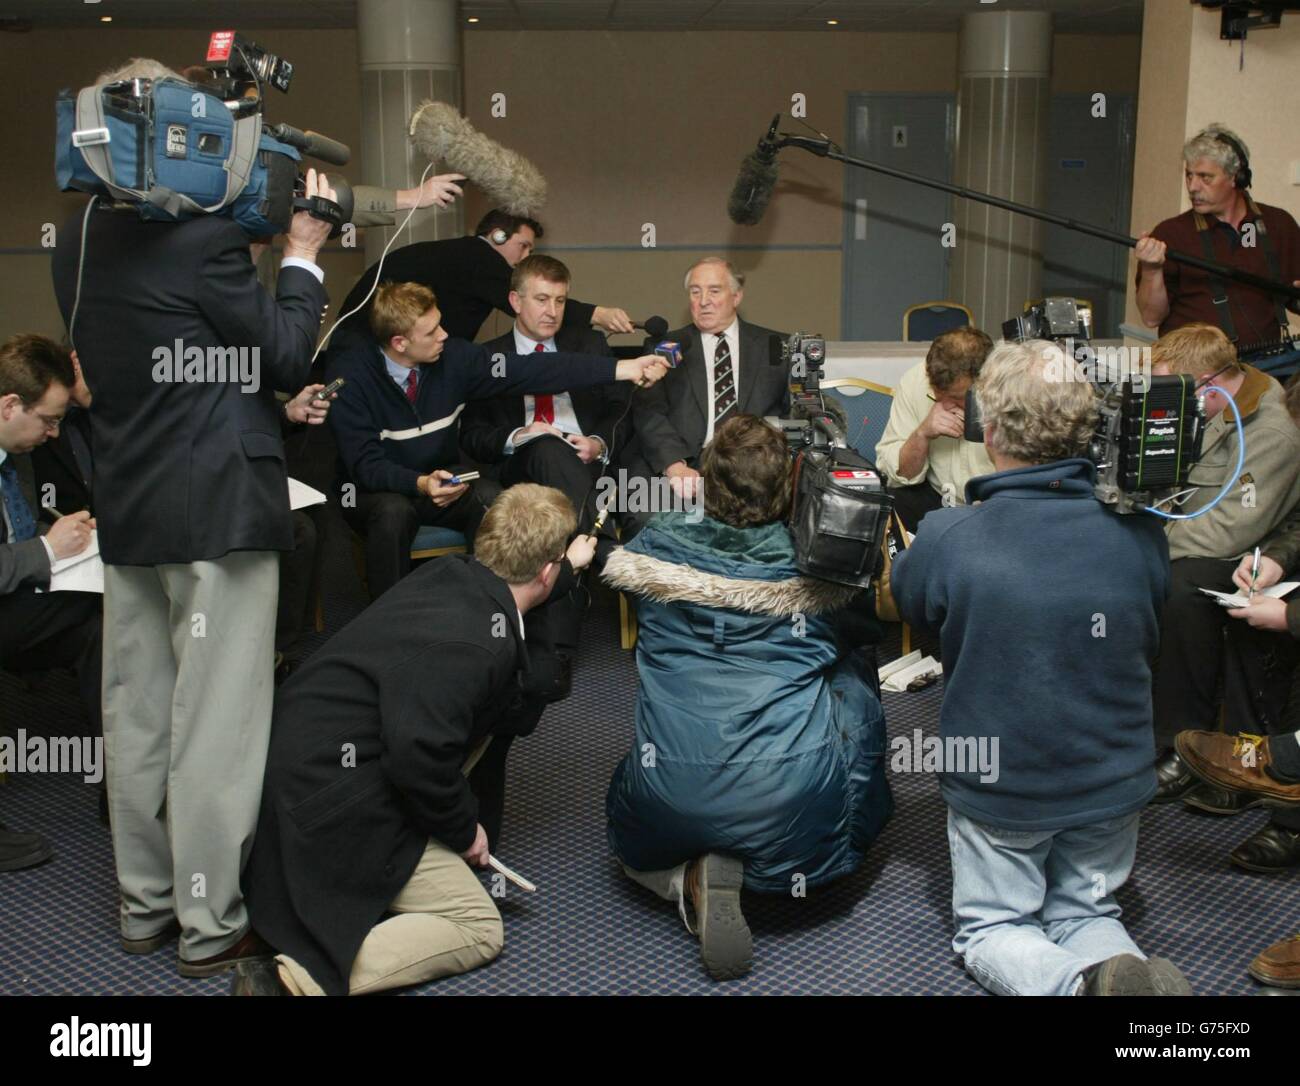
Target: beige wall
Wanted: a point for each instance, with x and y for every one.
(628, 129)
(1191, 78)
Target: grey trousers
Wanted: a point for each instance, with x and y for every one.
(188, 690)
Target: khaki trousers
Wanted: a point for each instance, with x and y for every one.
(446, 925)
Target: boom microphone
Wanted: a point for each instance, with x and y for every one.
(755, 182)
(514, 184)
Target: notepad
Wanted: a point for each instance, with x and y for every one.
(82, 572)
(301, 495)
(896, 676)
(1225, 599)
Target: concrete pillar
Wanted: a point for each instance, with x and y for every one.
(1004, 70)
(409, 51)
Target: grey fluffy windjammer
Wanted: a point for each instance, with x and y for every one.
(668, 582)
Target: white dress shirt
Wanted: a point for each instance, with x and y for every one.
(566, 419)
(709, 344)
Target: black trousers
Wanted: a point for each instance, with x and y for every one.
(388, 523)
(298, 573)
(549, 461)
(911, 503)
(1190, 663)
(39, 631)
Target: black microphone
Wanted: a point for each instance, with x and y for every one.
(654, 327)
(756, 180)
(312, 144)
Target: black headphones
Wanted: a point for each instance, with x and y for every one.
(1242, 180)
(498, 236)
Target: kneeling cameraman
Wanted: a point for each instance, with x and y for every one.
(1036, 570)
(759, 743)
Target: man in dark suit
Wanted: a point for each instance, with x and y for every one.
(470, 277)
(182, 349)
(39, 629)
(562, 440)
(366, 809)
(725, 371)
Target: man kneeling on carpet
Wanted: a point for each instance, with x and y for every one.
(758, 758)
(366, 810)
(1048, 608)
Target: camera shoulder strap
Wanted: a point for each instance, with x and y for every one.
(1218, 288)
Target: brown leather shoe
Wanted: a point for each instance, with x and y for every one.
(249, 947)
(1221, 760)
(1279, 965)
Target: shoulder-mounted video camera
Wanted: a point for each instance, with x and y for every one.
(840, 510)
(176, 149)
(1149, 429)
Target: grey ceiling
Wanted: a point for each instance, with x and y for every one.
(1081, 16)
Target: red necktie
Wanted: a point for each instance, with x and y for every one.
(544, 405)
(412, 386)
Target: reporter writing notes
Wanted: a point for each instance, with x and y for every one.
(381, 819)
(759, 750)
(39, 629)
(190, 539)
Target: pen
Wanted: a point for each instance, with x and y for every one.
(1254, 573)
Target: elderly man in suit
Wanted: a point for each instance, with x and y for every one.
(725, 371)
(183, 349)
(38, 628)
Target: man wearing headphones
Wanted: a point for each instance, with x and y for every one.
(1226, 225)
(470, 277)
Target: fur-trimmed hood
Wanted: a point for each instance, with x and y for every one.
(671, 582)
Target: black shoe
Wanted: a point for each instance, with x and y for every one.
(20, 850)
(258, 978)
(1220, 801)
(1270, 849)
(1173, 778)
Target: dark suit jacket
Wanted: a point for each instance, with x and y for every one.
(414, 684)
(195, 470)
(24, 565)
(671, 417)
(487, 423)
(469, 277)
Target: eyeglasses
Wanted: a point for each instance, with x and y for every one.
(52, 422)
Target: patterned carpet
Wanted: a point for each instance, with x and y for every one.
(588, 929)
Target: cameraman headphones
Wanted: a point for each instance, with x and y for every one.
(498, 236)
(1242, 179)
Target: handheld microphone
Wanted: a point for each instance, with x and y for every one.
(654, 327)
(757, 178)
(670, 352)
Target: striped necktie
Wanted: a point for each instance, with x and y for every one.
(724, 382)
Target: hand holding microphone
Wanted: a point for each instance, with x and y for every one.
(643, 371)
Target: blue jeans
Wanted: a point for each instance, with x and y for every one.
(1034, 909)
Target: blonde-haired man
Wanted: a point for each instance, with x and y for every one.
(366, 806)
(1205, 551)
(1037, 571)
(397, 421)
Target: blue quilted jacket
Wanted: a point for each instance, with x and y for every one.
(756, 732)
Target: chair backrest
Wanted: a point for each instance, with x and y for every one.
(867, 411)
(926, 320)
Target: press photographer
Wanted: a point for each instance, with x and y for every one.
(191, 537)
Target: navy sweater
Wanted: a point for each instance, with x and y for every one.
(1048, 606)
(386, 443)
